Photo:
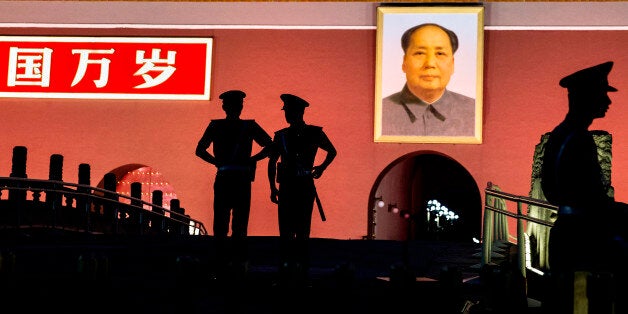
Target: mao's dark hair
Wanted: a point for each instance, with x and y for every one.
(405, 38)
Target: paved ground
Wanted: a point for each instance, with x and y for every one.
(165, 275)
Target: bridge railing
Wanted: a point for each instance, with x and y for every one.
(35, 203)
(497, 208)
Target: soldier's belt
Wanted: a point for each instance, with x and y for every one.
(234, 168)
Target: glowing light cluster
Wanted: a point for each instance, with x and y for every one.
(439, 216)
(150, 181)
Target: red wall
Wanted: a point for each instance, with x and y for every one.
(333, 70)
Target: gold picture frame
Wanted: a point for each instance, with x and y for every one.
(401, 117)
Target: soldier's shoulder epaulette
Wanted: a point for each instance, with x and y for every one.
(314, 129)
(282, 131)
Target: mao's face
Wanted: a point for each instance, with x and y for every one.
(429, 61)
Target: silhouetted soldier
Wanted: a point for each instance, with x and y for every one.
(232, 139)
(295, 148)
(586, 235)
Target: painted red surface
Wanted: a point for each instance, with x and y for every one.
(335, 71)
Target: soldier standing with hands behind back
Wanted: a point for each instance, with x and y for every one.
(291, 164)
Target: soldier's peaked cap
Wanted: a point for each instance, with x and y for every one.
(293, 102)
(593, 78)
(232, 95)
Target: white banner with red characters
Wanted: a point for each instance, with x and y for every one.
(105, 67)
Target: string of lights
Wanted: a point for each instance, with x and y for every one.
(438, 216)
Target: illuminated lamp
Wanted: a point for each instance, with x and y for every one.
(404, 214)
(379, 202)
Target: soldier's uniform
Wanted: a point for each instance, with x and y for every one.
(295, 147)
(232, 139)
(587, 234)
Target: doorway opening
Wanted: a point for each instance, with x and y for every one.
(425, 195)
(150, 178)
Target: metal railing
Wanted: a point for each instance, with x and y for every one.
(49, 204)
(491, 210)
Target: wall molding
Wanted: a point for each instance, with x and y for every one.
(293, 15)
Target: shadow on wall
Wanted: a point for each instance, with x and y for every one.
(425, 195)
